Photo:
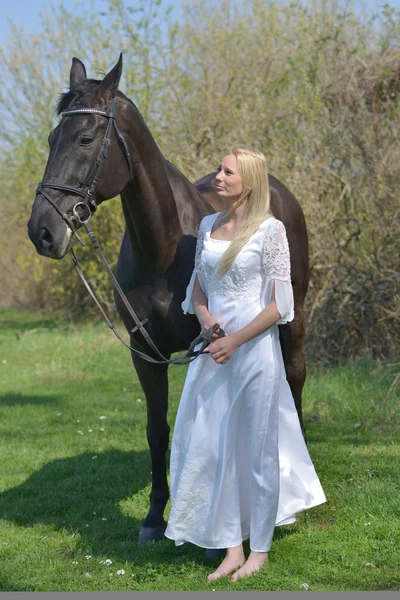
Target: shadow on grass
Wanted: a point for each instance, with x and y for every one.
(9, 586)
(341, 434)
(81, 495)
(23, 320)
(24, 399)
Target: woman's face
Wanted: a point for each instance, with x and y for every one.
(229, 181)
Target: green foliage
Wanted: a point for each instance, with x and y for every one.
(316, 89)
(75, 477)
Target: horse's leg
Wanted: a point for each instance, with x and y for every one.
(292, 337)
(154, 381)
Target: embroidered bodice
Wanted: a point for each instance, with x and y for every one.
(247, 273)
(263, 260)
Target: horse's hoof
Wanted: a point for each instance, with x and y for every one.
(214, 553)
(152, 534)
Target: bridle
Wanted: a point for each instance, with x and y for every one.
(89, 206)
(86, 191)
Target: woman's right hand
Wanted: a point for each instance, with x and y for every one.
(207, 322)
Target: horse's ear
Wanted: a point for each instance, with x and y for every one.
(110, 83)
(77, 73)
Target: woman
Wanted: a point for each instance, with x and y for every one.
(239, 464)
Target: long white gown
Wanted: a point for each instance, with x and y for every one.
(239, 465)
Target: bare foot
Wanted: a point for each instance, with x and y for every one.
(254, 563)
(233, 560)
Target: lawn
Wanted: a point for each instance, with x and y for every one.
(75, 477)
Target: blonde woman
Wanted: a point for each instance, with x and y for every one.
(239, 465)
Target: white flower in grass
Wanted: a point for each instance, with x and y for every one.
(59, 414)
(138, 400)
(87, 525)
(94, 458)
(88, 575)
(304, 586)
(101, 428)
(369, 523)
(4, 361)
(80, 432)
(107, 561)
(104, 518)
(88, 557)
(121, 572)
(74, 562)
(78, 420)
(102, 417)
(90, 430)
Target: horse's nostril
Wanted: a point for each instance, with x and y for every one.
(45, 236)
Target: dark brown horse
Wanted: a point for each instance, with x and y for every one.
(162, 211)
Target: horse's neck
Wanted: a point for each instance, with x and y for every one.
(148, 203)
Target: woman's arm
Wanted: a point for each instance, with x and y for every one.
(276, 264)
(200, 306)
(263, 321)
(222, 350)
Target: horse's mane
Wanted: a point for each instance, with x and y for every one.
(72, 97)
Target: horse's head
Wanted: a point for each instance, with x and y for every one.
(88, 161)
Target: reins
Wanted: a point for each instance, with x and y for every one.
(89, 206)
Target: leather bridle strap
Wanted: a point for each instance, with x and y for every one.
(206, 337)
(86, 191)
(64, 216)
(89, 206)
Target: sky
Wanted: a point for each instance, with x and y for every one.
(26, 12)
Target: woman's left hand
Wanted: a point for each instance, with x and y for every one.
(223, 349)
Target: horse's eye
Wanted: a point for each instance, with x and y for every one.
(86, 141)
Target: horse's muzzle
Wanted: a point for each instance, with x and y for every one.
(46, 243)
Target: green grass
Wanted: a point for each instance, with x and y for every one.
(75, 474)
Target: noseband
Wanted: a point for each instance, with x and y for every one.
(89, 205)
(86, 192)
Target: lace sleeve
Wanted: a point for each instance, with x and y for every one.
(276, 257)
(276, 264)
(199, 246)
(187, 306)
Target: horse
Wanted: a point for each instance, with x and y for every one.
(102, 148)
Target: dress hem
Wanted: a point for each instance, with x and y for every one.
(287, 520)
(210, 546)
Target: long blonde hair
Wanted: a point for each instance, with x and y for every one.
(252, 167)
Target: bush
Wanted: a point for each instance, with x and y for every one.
(316, 90)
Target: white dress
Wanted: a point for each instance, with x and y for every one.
(239, 465)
